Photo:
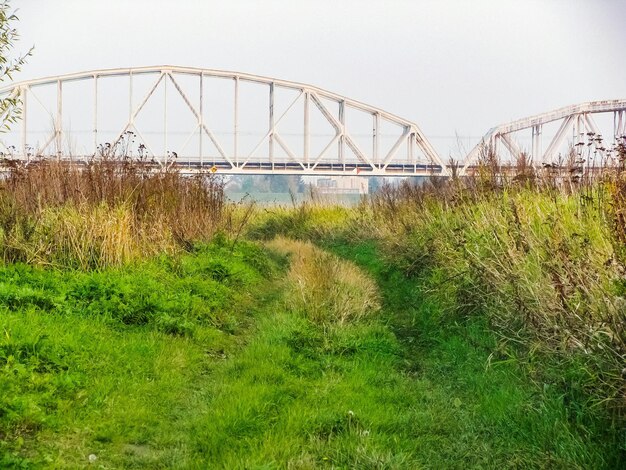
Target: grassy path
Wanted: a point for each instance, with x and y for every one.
(397, 392)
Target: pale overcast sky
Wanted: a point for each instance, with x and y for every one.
(452, 66)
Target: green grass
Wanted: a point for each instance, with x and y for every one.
(199, 361)
(106, 362)
(544, 267)
(504, 408)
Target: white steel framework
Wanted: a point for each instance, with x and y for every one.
(576, 122)
(410, 153)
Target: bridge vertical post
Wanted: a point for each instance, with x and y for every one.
(95, 115)
(130, 97)
(619, 124)
(165, 118)
(410, 148)
(580, 137)
(200, 118)
(306, 128)
(494, 147)
(59, 141)
(375, 128)
(581, 128)
(236, 122)
(575, 126)
(536, 144)
(271, 124)
(342, 140)
(128, 150)
(23, 92)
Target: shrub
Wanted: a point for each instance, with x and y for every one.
(543, 262)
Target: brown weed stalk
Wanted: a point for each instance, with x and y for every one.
(104, 212)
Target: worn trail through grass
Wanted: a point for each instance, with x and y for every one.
(394, 391)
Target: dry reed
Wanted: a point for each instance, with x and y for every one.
(102, 213)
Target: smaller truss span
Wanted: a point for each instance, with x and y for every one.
(575, 122)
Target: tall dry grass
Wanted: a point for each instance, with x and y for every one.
(541, 252)
(328, 290)
(102, 213)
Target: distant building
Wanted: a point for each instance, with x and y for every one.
(338, 184)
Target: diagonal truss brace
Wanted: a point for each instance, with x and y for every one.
(340, 131)
(272, 133)
(198, 116)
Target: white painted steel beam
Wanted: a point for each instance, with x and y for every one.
(167, 73)
(558, 139)
(511, 145)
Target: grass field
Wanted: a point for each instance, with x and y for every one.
(203, 361)
(147, 323)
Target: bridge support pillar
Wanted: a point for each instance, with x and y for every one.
(619, 124)
(536, 151)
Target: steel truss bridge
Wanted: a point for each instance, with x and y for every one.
(306, 130)
(238, 123)
(574, 129)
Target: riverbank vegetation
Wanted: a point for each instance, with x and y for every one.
(145, 321)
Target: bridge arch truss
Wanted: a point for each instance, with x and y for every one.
(164, 113)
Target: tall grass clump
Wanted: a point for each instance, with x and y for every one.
(540, 252)
(328, 290)
(103, 213)
(309, 219)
